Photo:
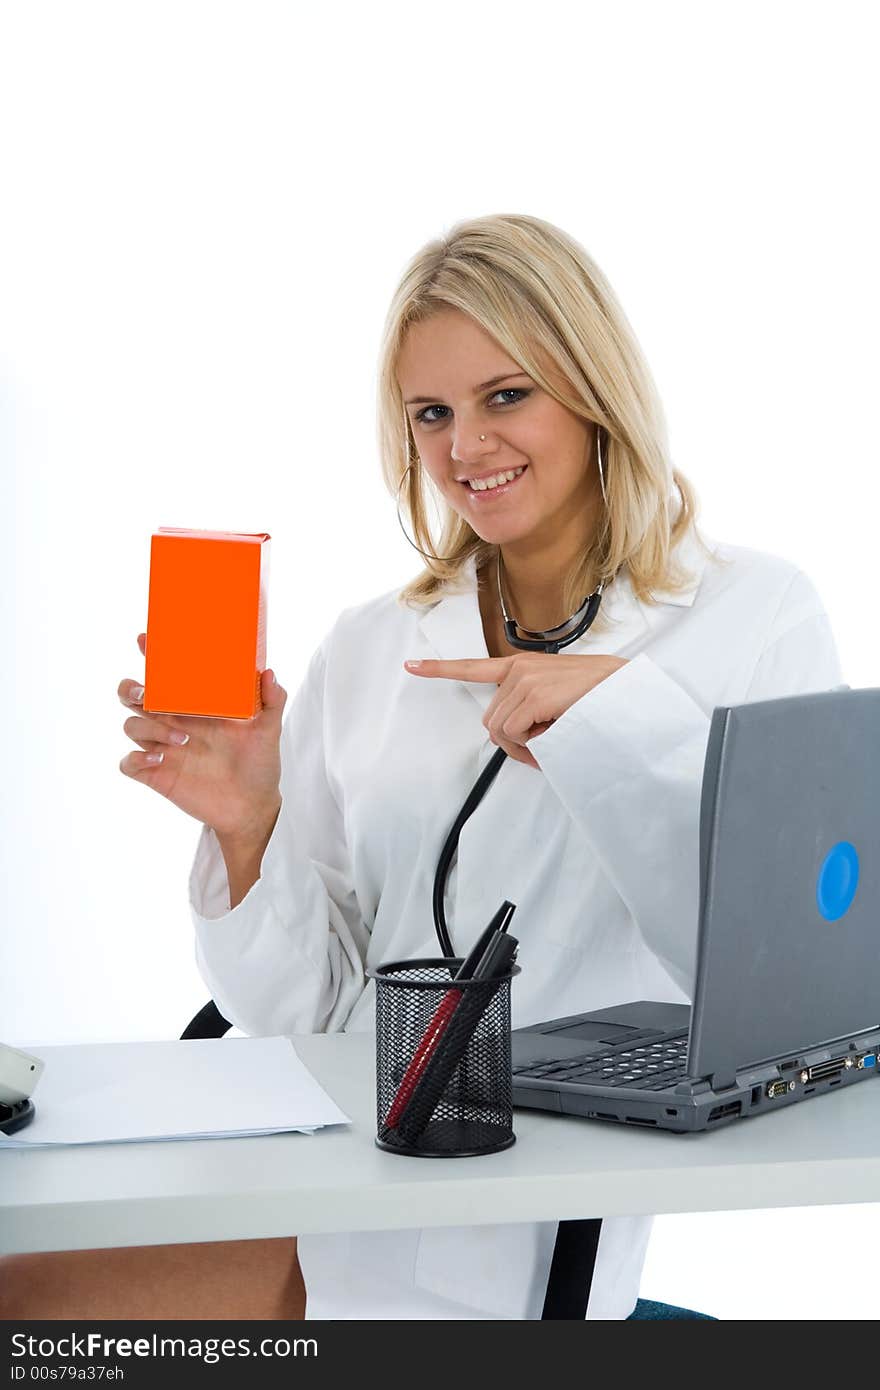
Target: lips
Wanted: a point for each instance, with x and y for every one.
(492, 473)
(484, 496)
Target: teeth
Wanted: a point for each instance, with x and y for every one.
(481, 484)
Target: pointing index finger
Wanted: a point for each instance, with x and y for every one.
(479, 668)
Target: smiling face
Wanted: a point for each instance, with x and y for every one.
(458, 383)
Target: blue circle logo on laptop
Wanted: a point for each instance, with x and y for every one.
(838, 880)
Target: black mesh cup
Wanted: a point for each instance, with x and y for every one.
(444, 1080)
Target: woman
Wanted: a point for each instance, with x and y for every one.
(511, 391)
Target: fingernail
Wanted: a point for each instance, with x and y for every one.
(177, 737)
(137, 693)
(154, 757)
(412, 664)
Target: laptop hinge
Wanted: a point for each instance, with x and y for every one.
(723, 1081)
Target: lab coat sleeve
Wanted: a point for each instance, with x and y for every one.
(289, 958)
(626, 761)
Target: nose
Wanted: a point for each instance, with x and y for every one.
(469, 445)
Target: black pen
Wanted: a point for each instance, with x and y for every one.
(497, 957)
(499, 923)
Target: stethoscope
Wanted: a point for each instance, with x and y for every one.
(553, 640)
(577, 1242)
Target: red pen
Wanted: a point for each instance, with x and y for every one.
(423, 1053)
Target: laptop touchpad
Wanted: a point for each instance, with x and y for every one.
(593, 1030)
(531, 1048)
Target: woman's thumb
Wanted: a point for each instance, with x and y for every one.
(274, 695)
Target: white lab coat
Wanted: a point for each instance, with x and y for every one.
(597, 849)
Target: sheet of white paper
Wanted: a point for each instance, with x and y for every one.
(102, 1093)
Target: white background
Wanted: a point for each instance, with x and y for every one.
(205, 209)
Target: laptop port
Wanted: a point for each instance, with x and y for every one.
(721, 1111)
(832, 1068)
(779, 1088)
(869, 1060)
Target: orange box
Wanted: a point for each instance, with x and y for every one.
(206, 623)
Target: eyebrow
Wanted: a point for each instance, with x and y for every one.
(483, 386)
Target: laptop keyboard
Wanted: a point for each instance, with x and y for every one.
(652, 1067)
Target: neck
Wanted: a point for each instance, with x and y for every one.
(533, 577)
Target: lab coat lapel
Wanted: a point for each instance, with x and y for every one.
(453, 629)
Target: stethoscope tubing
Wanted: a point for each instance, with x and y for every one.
(488, 775)
(475, 796)
(576, 1244)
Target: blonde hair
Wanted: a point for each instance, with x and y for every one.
(538, 293)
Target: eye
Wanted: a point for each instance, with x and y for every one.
(421, 415)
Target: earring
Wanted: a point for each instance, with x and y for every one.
(440, 559)
(599, 461)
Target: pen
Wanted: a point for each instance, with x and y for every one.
(498, 955)
(499, 923)
(429, 1040)
(442, 1014)
(451, 1044)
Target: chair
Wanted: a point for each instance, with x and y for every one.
(645, 1308)
(207, 1023)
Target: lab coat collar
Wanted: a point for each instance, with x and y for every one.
(453, 628)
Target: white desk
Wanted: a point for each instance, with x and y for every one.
(822, 1151)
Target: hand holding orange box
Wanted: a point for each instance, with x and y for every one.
(206, 623)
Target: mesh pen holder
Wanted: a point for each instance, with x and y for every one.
(444, 1080)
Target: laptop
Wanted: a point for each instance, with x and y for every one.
(787, 994)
